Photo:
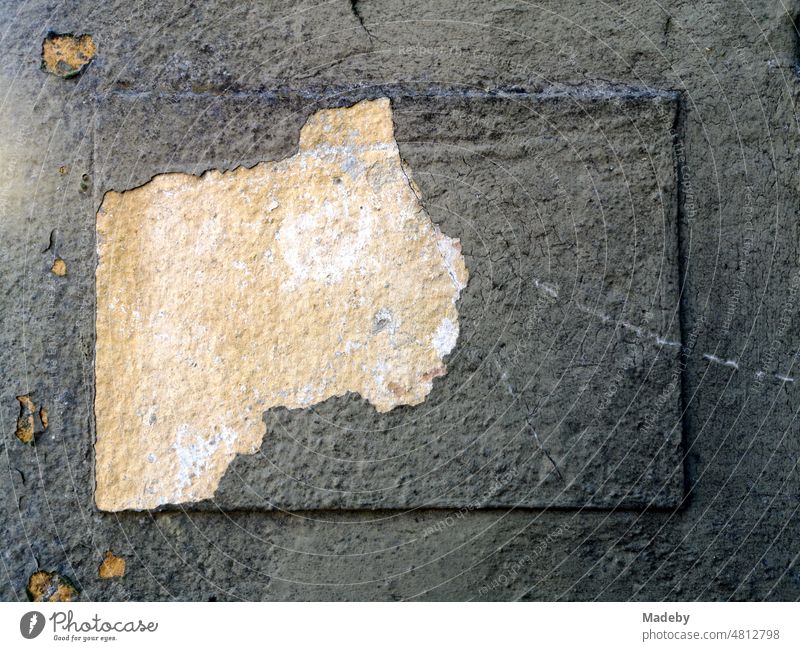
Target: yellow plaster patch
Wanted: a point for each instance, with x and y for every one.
(224, 295)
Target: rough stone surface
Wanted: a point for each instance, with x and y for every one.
(222, 296)
(733, 535)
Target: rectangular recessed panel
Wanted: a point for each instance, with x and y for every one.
(563, 388)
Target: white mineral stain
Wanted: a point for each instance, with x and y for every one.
(445, 337)
(285, 284)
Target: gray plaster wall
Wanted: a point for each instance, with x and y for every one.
(726, 400)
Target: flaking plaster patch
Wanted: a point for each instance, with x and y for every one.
(26, 421)
(66, 55)
(50, 586)
(224, 295)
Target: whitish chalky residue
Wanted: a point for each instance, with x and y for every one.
(224, 295)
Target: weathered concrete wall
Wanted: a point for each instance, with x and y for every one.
(623, 185)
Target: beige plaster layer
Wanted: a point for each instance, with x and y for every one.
(221, 296)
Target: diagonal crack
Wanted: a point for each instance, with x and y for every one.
(528, 418)
(357, 13)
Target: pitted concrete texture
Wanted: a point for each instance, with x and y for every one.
(623, 180)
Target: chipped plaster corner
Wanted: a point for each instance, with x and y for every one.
(221, 296)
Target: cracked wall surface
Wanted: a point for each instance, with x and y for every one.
(224, 295)
(486, 100)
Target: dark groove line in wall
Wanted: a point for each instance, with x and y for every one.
(683, 239)
(578, 92)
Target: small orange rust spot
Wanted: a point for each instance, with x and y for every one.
(44, 417)
(112, 567)
(65, 55)
(49, 586)
(59, 267)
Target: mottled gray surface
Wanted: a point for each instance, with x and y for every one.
(735, 533)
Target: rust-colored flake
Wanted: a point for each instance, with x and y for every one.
(26, 421)
(59, 267)
(112, 567)
(50, 586)
(66, 55)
